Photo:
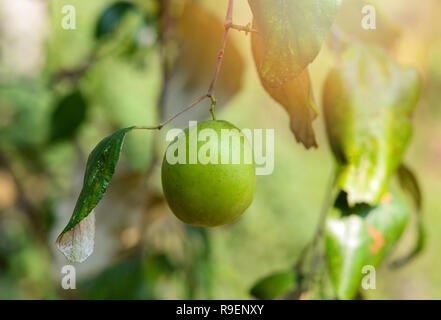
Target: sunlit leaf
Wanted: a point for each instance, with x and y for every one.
(361, 236)
(295, 96)
(368, 102)
(292, 34)
(68, 115)
(193, 47)
(274, 285)
(99, 171)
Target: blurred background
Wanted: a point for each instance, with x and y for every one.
(135, 63)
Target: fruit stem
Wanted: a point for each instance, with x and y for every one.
(213, 105)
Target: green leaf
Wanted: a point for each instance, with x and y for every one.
(409, 183)
(295, 96)
(368, 102)
(68, 115)
(292, 33)
(361, 236)
(76, 240)
(274, 285)
(111, 18)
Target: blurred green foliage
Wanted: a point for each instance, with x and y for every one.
(142, 251)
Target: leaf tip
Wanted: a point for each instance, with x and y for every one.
(77, 243)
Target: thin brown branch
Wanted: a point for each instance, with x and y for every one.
(162, 124)
(247, 29)
(228, 24)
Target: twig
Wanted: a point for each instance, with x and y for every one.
(247, 29)
(162, 124)
(228, 24)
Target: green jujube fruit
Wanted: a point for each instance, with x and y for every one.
(214, 192)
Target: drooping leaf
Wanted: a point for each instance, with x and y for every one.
(68, 116)
(409, 183)
(292, 33)
(368, 102)
(192, 49)
(77, 243)
(295, 96)
(274, 285)
(99, 171)
(111, 18)
(351, 15)
(361, 236)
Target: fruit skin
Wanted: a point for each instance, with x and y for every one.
(209, 195)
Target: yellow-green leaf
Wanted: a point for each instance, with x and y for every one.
(361, 236)
(76, 240)
(295, 96)
(292, 33)
(368, 102)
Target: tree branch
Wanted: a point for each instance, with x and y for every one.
(228, 24)
(247, 29)
(162, 124)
